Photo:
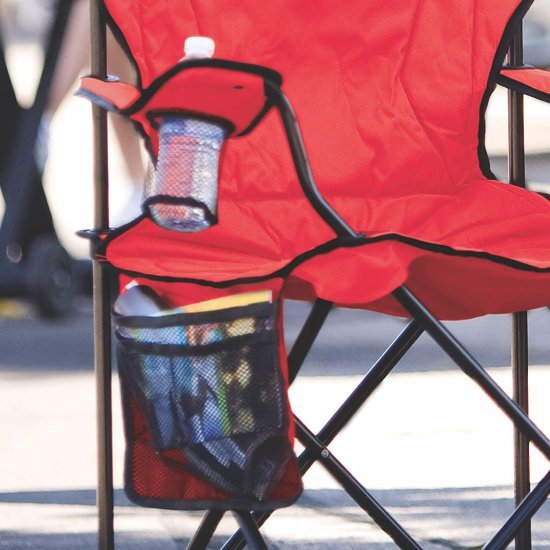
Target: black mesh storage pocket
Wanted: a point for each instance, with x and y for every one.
(209, 384)
(148, 375)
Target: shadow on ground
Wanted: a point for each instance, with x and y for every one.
(449, 518)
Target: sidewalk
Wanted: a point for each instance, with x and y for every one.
(444, 470)
(48, 477)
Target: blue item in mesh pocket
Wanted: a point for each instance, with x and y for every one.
(154, 377)
(215, 391)
(181, 194)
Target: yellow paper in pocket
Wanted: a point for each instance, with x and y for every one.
(226, 302)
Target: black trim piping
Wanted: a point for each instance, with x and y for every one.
(196, 350)
(214, 63)
(211, 218)
(258, 118)
(512, 84)
(329, 246)
(154, 115)
(120, 38)
(202, 505)
(268, 75)
(496, 67)
(147, 94)
(522, 67)
(262, 310)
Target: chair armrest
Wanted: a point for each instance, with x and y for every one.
(230, 92)
(111, 94)
(238, 93)
(529, 81)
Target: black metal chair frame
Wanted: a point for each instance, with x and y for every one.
(317, 445)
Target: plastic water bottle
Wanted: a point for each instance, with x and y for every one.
(138, 300)
(183, 193)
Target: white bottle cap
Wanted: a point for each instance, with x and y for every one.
(131, 284)
(198, 47)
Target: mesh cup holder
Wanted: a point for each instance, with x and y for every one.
(210, 385)
(181, 192)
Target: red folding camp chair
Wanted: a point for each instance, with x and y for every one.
(394, 209)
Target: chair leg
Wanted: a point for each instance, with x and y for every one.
(206, 530)
(472, 368)
(520, 377)
(424, 320)
(104, 413)
(374, 377)
(102, 319)
(355, 490)
(516, 175)
(302, 346)
(250, 531)
(523, 513)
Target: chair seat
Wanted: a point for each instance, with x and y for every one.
(487, 244)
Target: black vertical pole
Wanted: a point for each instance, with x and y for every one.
(203, 535)
(254, 539)
(102, 321)
(305, 339)
(520, 362)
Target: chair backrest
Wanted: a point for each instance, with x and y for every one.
(388, 94)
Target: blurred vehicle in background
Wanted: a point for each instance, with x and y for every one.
(537, 34)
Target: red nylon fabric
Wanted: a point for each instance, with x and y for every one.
(155, 482)
(388, 99)
(537, 79)
(120, 94)
(231, 96)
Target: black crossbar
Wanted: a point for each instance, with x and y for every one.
(374, 377)
(523, 513)
(472, 368)
(307, 336)
(355, 489)
(205, 532)
(254, 539)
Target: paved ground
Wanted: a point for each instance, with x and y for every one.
(428, 444)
